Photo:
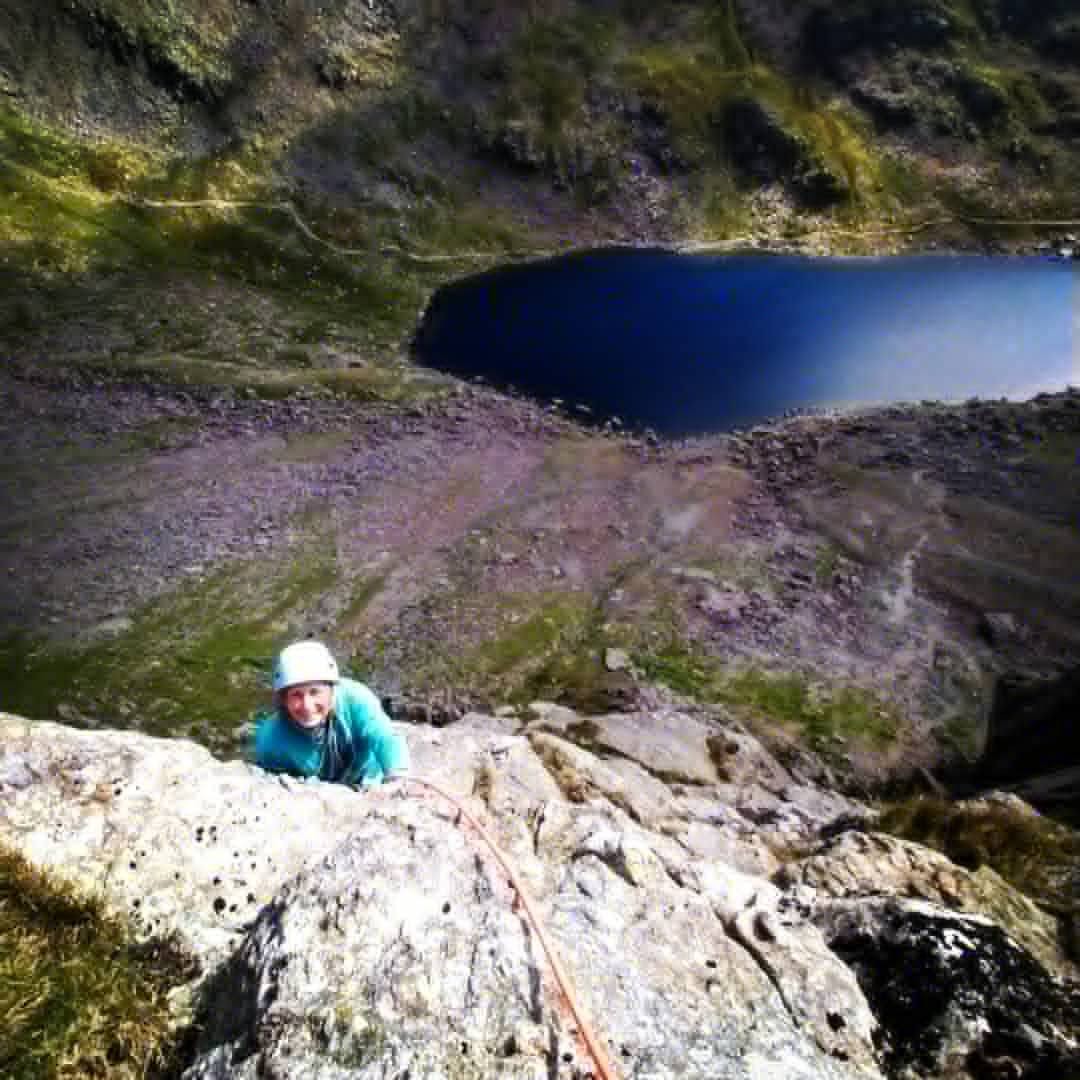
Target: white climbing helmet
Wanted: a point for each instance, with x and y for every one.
(303, 662)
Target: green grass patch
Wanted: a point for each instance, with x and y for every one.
(1036, 855)
(826, 563)
(78, 998)
(550, 63)
(692, 84)
(528, 636)
(820, 714)
(370, 382)
(723, 210)
(508, 648)
(196, 662)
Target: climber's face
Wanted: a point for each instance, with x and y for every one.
(308, 704)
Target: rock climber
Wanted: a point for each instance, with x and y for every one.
(325, 725)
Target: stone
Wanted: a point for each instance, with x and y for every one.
(168, 836)
(955, 995)
(617, 660)
(402, 951)
(671, 745)
(856, 864)
(724, 606)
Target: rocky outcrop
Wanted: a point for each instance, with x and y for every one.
(857, 865)
(955, 994)
(765, 151)
(347, 934)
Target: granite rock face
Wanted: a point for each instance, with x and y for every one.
(343, 934)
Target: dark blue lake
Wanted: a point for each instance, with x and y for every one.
(688, 343)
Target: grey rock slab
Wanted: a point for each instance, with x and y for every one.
(721, 605)
(741, 848)
(401, 950)
(160, 829)
(740, 758)
(617, 660)
(468, 756)
(673, 746)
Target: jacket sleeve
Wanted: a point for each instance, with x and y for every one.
(387, 752)
(267, 751)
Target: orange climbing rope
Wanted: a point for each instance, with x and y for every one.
(604, 1069)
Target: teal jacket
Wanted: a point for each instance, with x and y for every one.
(357, 746)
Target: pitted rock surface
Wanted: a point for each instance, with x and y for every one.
(400, 952)
(366, 934)
(339, 958)
(165, 833)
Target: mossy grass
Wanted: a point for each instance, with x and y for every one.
(1034, 853)
(372, 382)
(58, 217)
(195, 50)
(362, 591)
(549, 63)
(511, 641)
(79, 999)
(195, 662)
(827, 716)
(70, 210)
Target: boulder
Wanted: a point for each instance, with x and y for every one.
(1033, 744)
(955, 995)
(164, 833)
(671, 745)
(857, 865)
(401, 952)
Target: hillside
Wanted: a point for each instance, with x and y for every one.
(206, 380)
(690, 685)
(489, 130)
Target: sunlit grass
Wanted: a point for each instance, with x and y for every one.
(821, 714)
(78, 999)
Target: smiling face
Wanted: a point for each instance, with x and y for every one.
(308, 704)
